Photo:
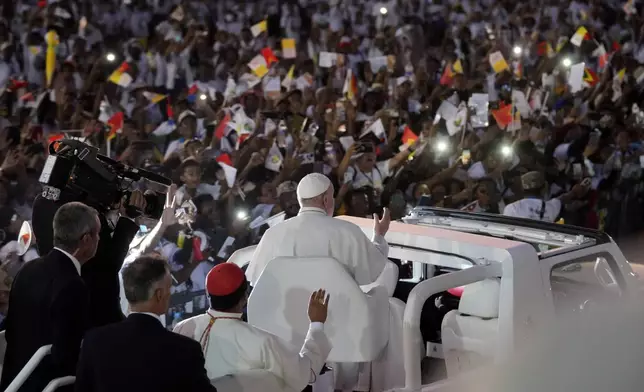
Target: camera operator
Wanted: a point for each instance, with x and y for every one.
(101, 272)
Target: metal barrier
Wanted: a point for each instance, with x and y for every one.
(59, 382)
(29, 368)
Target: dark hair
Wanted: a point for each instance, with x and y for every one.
(226, 302)
(365, 190)
(141, 275)
(200, 200)
(190, 162)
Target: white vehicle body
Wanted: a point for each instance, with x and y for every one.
(532, 260)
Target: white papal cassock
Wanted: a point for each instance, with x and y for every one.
(312, 233)
(231, 346)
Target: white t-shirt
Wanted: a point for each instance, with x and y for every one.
(202, 189)
(531, 208)
(375, 179)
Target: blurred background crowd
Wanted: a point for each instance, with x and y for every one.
(444, 103)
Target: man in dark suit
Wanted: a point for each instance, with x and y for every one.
(101, 274)
(49, 303)
(139, 354)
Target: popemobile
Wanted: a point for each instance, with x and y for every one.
(502, 280)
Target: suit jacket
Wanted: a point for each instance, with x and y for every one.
(48, 305)
(101, 274)
(139, 354)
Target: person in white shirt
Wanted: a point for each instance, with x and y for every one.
(190, 170)
(314, 232)
(231, 345)
(534, 205)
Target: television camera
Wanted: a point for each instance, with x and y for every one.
(77, 170)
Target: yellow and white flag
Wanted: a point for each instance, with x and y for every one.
(259, 28)
(580, 35)
(154, 98)
(258, 66)
(120, 76)
(287, 83)
(619, 76)
(288, 48)
(457, 67)
(498, 63)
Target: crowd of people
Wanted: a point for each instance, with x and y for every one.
(527, 110)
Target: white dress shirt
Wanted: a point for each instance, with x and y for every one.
(233, 346)
(72, 258)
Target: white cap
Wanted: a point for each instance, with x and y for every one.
(312, 185)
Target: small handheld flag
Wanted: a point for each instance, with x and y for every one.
(259, 28)
(120, 76)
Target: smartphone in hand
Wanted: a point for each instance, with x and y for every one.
(466, 156)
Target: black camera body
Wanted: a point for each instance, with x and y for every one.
(79, 171)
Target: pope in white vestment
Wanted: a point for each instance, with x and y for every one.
(232, 346)
(315, 233)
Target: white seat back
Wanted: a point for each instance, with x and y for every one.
(241, 257)
(357, 325)
(388, 278)
(469, 334)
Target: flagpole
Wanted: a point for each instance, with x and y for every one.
(108, 148)
(543, 103)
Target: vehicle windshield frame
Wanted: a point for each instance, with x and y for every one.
(563, 238)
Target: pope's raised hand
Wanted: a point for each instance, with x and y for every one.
(381, 226)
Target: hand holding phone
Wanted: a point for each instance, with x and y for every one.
(465, 157)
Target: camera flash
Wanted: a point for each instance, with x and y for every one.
(242, 215)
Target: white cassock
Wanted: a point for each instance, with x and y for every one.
(233, 346)
(312, 233)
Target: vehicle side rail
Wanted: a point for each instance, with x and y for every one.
(412, 338)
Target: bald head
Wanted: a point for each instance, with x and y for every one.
(316, 190)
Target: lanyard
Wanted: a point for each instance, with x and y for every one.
(370, 177)
(205, 336)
